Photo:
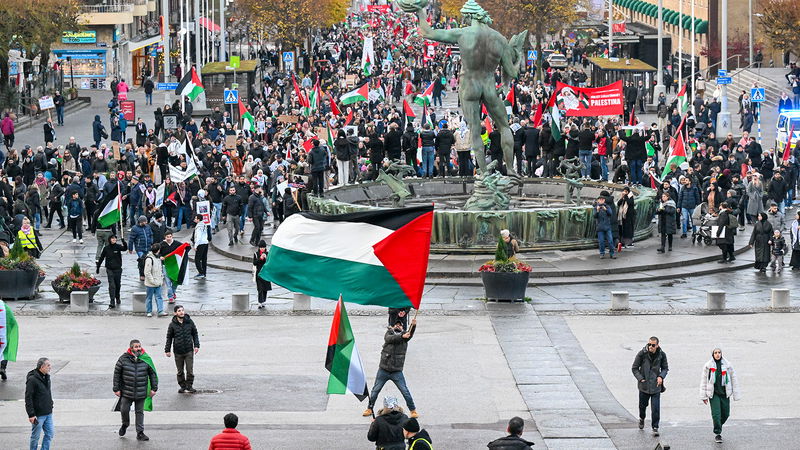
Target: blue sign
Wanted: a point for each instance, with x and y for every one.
(166, 86)
(532, 55)
(757, 95)
(722, 73)
(231, 96)
(723, 80)
(288, 57)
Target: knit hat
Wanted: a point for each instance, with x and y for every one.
(142, 219)
(262, 243)
(411, 425)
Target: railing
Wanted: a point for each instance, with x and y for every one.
(114, 8)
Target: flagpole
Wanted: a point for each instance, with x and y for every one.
(119, 208)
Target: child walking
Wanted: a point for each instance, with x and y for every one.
(777, 247)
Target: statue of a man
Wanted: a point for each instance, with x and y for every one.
(482, 50)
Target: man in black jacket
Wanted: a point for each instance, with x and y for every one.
(256, 209)
(444, 145)
(112, 254)
(635, 154)
(39, 403)
(531, 143)
(318, 161)
(132, 375)
(513, 441)
(231, 211)
(182, 338)
(393, 357)
(418, 438)
(409, 143)
(386, 430)
(650, 367)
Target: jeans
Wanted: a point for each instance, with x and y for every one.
(636, 170)
(148, 98)
(655, 404)
(399, 380)
(171, 288)
(789, 198)
(720, 410)
(776, 261)
(686, 219)
(603, 237)
(317, 183)
(184, 213)
(185, 379)
(37, 220)
(603, 168)
(125, 411)
(60, 114)
(437, 99)
(428, 156)
(44, 423)
(154, 292)
(243, 217)
(586, 159)
(215, 218)
(114, 281)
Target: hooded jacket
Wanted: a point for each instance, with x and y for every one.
(729, 380)
(393, 355)
(38, 398)
(387, 431)
(648, 367)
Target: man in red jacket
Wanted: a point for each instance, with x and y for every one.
(230, 438)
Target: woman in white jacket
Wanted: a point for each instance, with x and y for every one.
(717, 386)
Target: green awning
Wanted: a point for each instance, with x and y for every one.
(652, 10)
(668, 15)
(702, 28)
(674, 19)
(686, 22)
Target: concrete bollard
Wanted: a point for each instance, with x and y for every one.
(716, 300)
(138, 302)
(619, 301)
(780, 298)
(79, 301)
(301, 302)
(240, 302)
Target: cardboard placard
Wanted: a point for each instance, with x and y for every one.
(261, 127)
(203, 209)
(350, 80)
(288, 119)
(115, 148)
(230, 142)
(170, 121)
(46, 102)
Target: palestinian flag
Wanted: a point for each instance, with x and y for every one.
(537, 117)
(9, 333)
(408, 112)
(148, 402)
(368, 57)
(379, 95)
(426, 117)
(334, 107)
(329, 138)
(248, 121)
(343, 360)
(631, 122)
(683, 100)
(112, 212)
(787, 152)
(555, 118)
(190, 86)
(313, 101)
(301, 97)
(360, 94)
(677, 154)
(487, 122)
(651, 151)
(175, 263)
(375, 257)
(426, 98)
(511, 98)
(349, 119)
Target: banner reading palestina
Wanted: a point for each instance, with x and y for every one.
(599, 101)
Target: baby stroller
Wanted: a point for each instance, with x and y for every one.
(703, 216)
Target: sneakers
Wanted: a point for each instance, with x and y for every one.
(111, 305)
(191, 390)
(181, 390)
(414, 414)
(655, 432)
(3, 375)
(74, 241)
(660, 250)
(367, 412)
(142, 437)
(122, 430)
(149, 314)
(613, 257)
(602, 256)
(718, 439)
(641, 424)
(161, 314)
(80, 241)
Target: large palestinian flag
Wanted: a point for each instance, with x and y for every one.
(190, 86)
(111, 213)
(175, 263)
(9, 333)
(426, 97)
(371, 257)
(360, 94)
(343, 360)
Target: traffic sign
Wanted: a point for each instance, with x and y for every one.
(235, 62)
(532, 54)
(166, 86)
(231, 97)
(723, 80)
(722, 73)
(288, 57)
(757, 95)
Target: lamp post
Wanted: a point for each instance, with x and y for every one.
(660, 88)
(610, 28)
(724, 116)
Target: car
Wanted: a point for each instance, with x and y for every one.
(788, 121)
(557, 61)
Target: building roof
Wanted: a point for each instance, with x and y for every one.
(636, 65)
(245, 65)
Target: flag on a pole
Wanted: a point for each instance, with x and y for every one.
(190, 86)
(388, 247)
(343, 360)
(349, 118)
(112, 212)
(555, 117)
(368, 57)
(329, 138)
(426, 117)
(787, 152)
(651, 151)
(537, 117)
(175, 263)
(677, 154)
(301, 97)
(248, 121)
(334, 107)
(683, 100)
(426, 98)
(360, 94)
(408, 111)
(313, 101)
(9, 333)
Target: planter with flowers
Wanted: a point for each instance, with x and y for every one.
(504, 278)
(73, 280)
(20, 275)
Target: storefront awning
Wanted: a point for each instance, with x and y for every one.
(136, 45)
(208, 24)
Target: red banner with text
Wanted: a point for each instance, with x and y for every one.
(582, 102)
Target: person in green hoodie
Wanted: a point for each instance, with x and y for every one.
(717, 386)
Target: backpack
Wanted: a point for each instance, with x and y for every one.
(733, 222)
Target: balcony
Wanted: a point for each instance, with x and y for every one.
(151, 5)
(139, 8)
(110, 12)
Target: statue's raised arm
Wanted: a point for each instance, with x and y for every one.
(513, 55)
(418, 7)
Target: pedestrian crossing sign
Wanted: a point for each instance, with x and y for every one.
(231, 96)
(757, 95)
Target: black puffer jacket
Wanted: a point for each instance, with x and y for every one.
(131, 375)
(182, 336)
(387, 431)
(393, 355)
(510, 443)
(648, 367)
(38, 398)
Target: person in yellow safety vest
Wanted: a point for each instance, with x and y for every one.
(29, 239)
(418, 438)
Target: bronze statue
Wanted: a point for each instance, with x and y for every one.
(482, 50)
(571, 168)
(393, 177)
